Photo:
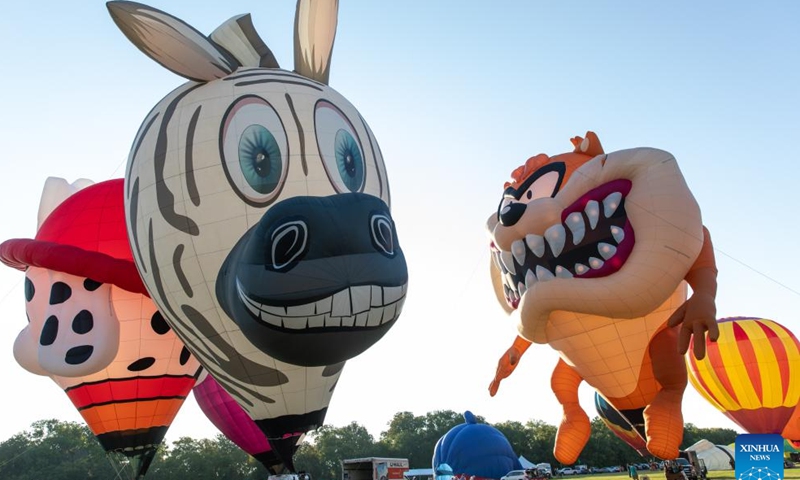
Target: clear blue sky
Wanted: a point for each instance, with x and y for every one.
(458, 94)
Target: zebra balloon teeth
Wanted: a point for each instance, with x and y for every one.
(259, 212)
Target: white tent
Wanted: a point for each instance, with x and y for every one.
(716, 457)
(526, 463)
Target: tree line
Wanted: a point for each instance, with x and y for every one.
(58, 450)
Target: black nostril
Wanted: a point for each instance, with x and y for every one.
(380, 225)
(510, 214)
(287, 245)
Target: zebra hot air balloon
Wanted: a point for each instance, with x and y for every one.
(258, 210)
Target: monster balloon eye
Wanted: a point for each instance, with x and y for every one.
(541, 183)
(339, 148)
(255, 151)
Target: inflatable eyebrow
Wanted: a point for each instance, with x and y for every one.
(596, 252)
(257, 204)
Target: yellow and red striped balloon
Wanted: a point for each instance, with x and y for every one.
(751, 374)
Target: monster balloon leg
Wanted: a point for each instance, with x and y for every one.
(661, 416)
(575, 428)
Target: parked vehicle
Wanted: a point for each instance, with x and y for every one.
(546, 467)
(693, 467)
(514, 475)
(537, 473)
(567, 471)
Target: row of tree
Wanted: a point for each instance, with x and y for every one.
(58, 450)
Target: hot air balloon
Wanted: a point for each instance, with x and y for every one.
(792, 430)
(235, 424)
(596, 250)
(629, 430)
(92, 327)
(258, 210)
(475, 449)
(751, 374)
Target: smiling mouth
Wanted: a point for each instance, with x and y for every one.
(362, 306)
(593, 239)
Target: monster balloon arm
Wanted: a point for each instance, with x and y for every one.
(508, 362)
(698, 314)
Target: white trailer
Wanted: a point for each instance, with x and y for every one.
(374, 468)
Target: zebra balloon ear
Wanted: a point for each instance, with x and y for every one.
(173, 43)
(314, 32)
(239, 37)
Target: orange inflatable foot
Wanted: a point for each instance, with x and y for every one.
(572, 435)
(660, 419)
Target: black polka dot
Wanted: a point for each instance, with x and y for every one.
(83, 322)
(78, 355)
(185, 354)
(59, 293)
(91, 285)
(158, 324)
(29, 290)
(141, 364)
(49, 331)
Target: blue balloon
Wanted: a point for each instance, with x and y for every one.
(477, 449)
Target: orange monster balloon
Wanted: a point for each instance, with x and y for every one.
(596, 252)
(752, 375)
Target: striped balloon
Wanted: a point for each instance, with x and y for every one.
(751, 374)
(621, 426)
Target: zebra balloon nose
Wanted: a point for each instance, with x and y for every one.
(309, 228)
(317, 280)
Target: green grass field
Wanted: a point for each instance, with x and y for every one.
(789, 473)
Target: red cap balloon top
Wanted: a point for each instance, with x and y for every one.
(84, 236)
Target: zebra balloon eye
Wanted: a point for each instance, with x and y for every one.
(254, 150)
(339, 148)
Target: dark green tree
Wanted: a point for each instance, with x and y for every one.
(717, 436)
(606, 449)
(55, 450)
(332, 444)
(216, 458)
(414, 437)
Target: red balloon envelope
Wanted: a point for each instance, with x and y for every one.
(235, 424)
(92, 327)
(751, 373)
